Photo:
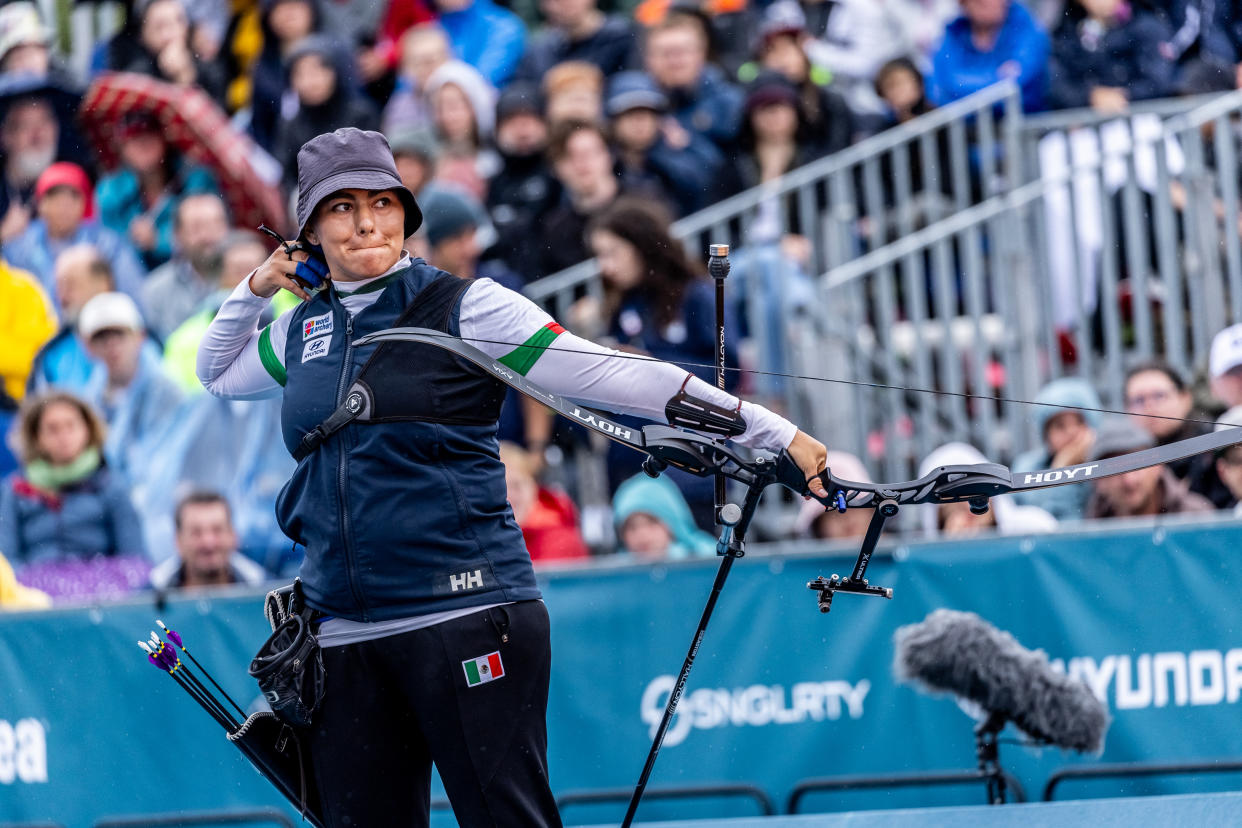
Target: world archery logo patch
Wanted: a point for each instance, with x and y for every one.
(316, 326)
(316, 348)
(483, 669)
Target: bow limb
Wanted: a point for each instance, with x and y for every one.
(1123, 463)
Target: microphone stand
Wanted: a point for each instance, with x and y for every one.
(987, 750)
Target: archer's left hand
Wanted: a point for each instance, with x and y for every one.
(812, 458)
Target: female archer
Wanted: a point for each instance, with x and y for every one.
(435, 640)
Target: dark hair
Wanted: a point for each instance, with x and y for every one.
(1160, 366)
(667, 270)
(202, 497)
(30, 415)
(558, 140)
(897, 64)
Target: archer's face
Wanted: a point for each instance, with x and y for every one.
(361, 232)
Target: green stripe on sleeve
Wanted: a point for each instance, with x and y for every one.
(268, 356)
(523, 357)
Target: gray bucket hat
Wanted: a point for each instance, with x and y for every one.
(349, 158)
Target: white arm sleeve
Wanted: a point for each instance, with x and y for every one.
(231, 355)
(498, 321)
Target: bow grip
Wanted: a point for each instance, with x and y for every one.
(789, 475)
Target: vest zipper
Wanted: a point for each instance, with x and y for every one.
(342, 474)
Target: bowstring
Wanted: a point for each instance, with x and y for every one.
(616, 354)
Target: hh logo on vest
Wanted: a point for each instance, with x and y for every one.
(477, 575)
(316, 348)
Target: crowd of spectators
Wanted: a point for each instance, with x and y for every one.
(534, 139)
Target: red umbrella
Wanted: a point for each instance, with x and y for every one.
(197, 128)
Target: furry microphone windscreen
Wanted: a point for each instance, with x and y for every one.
(960, 653)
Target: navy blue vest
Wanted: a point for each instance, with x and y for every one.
(409, 515)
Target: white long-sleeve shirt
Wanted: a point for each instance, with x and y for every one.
(237, 360)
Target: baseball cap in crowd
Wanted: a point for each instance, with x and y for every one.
(1120, 435)
(349, 158)
(109, 311)
(634, 90)
(1226, 353)
(769, 88)
(21, 25)
(66, 174)
(449, 214)
(519, 98)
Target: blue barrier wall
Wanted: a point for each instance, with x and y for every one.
(1150, 616)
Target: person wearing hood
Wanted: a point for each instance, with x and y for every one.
(163, 49)
(284, 24)
(1145, 492)
(129, 387)
(463, 107)
(955, 519)
(1066, 424)
(654, 523)
(486, 36)
(687, 175)
(424, 49)
(318, 77)
(524, 189)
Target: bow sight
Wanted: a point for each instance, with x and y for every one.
(947, 484)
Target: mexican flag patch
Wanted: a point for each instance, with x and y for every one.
(483, 669)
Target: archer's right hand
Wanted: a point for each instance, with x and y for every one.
(280, 271)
